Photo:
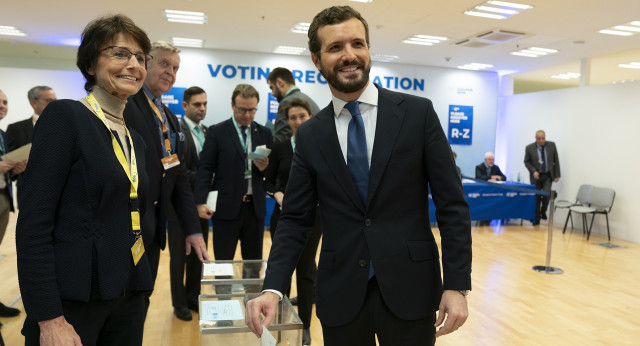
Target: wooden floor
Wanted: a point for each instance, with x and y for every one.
(595, 302)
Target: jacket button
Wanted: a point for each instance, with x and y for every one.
(367, 222)
(163, 174)
(362, 263)
(155, 203)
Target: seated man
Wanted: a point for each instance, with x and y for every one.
(488, 171)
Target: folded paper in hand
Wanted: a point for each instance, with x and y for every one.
(18, 155)
(261, 153)
(212, 200)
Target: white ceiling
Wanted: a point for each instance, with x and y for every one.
(261, 25)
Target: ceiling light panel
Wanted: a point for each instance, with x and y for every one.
(425, 40)
(566, 76)
(475, 66)
(11, 31)
(289, 50)
(626, 29)
(383, 57)
(187, 42)
(633, 65)
(300, 28)
(497, 9)
(185, 17)
(534, 52)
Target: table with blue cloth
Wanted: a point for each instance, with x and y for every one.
(496, 201)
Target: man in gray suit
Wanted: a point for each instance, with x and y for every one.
(283, 88)
(541, 159)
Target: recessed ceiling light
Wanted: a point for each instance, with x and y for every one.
(475, 66)
(566, 76)
(626, 29)
(534, 52)
(365, 1)
(185, 16)
(497, 9)
(615, 32)
(383, 57)
(11, 31)
(289, 50)
(300, 28)
(187, 42)
(425, 40)
(633, 65)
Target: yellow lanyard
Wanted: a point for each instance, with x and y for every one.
(132, 173)
(167, 143)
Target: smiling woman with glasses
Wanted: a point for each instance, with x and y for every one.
(82, 267)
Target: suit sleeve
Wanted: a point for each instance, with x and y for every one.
(271, 173)
(481, 173)
(556, 162)
(452, 211)
(528, 159)
(281, 129)
(44, 180)
(503, 177)
(206, 166)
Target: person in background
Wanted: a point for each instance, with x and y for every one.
(283, 88)
(455, 158)
(541, 159)
(20, 132)
(488, 171)
(185, 289)
(298, 111)
(7, 170)
(82, 269)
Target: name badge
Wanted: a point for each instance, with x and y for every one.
(247, 174)
(170, 161)
(137, 250)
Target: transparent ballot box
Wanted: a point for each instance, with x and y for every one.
(227, 277)
(222, 321)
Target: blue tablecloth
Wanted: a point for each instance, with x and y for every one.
(496, 201)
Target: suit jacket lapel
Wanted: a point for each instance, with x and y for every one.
(390, 116)
(149, 117)
(233, 136)
(327, 139)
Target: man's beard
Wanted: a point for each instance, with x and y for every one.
(350, 85)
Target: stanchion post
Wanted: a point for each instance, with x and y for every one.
(547, 268)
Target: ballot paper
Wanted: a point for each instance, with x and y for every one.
(261, 153)
(18, 155)
(212, 200)
(267, 339)
(221, 310)
(214, 269)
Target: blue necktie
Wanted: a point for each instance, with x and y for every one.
(544, 160)
(357, 156)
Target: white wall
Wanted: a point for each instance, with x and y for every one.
(595, 130)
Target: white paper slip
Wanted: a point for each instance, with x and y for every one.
(212, 200)
(219, 310)
(261, 153)
(267, 339)
(213, 269)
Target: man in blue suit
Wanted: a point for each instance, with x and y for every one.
(368, 159)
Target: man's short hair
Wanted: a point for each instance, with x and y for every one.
(487, 154)
(246, 91)
(194, 90)
(164, 45)
(330, 16)
(282, 73)
(34, 93)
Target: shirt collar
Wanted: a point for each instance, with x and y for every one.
(190, 123)
(290, 91)
(369, 96)
(148, 92)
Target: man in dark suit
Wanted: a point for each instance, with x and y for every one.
(241, 206)
(368, 159)
(185, 289)
(20, 132)
(168, 180)
(488, 171)
(6, 197)
(283, 88)
(541, 159)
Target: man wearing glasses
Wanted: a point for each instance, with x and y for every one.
(20, 133)
(168, 181)
(239, 179)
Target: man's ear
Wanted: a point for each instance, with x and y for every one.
(316, 60)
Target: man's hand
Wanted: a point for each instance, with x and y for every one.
(5, 166)
(204, 211)
(279, 196)
(556, 179)
(454, 306)
(58, 331)
(261, 164)
(536, 175)
(266, 304)
(196, 242)
(19, 167)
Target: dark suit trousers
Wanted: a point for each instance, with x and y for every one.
(542, 202)
(113, 322)
(306, 270)
(246, 227)
(185, 289)
(376, 318)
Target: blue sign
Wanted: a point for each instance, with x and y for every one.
(273, 109)
(460, 124)
(173, 100)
